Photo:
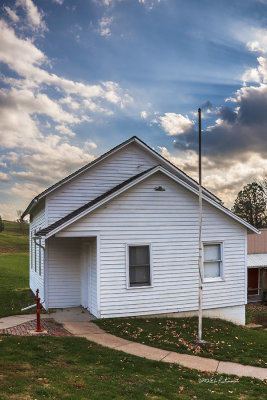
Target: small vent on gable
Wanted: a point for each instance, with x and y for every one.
(159, 189)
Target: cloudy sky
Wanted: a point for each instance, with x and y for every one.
(80, 76)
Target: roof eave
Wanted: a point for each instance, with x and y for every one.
(32, 204)
(144, 176)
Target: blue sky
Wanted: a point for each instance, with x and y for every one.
(79, 77)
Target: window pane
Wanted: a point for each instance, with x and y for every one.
(139, 276)
(212, 270)
(139, 255)
(212, 252)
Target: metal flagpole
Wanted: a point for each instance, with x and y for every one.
(200, 294)
(200, 230)
(200, 341)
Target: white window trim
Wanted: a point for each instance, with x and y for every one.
(221, 277)
(149, 244)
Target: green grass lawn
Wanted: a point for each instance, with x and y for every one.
(14, 238)
(14, 284)
(76, 369)
(73, 368)
(229, 342)
(14, 269)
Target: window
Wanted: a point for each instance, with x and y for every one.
(212, 261)
(139, 265)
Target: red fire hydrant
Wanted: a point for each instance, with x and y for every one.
(38, 311)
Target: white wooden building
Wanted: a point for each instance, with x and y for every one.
(120, 237)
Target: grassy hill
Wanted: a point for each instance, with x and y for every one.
(14, 238)
(14, 269)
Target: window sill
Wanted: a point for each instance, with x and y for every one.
(208, 280)
(138, 287)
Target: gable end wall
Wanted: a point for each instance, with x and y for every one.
(108, 173)
(169, 221)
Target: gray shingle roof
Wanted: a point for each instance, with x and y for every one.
(61, 221)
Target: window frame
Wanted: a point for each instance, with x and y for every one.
(217, 278)
(128, 245)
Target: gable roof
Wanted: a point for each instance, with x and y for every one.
(133, 139)
(91, 203)
(122, 187)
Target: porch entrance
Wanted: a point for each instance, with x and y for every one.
(253, 281)
(71, 279)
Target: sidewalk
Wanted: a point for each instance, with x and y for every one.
(13, 320)
(92, 332)
(81, 326)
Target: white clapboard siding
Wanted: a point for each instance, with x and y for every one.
(37, 280)
(63, 272)
(169, 221)
(120, 166)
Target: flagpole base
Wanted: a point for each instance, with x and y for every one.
(201, 343)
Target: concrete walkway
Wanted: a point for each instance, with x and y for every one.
(13, 320)
(92, 332)
(77, 322)
(73, 314)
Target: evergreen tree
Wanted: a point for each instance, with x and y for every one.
(250, 205)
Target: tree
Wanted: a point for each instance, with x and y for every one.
(250, 205)
(2, 225)
(20, 221)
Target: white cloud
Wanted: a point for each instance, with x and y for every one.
(22, 56)
(235, 151)
(65, 130)
(34, 16)
(90, 144)
(143, 114)
(259, 74)
(259, 42)
(176, 124)
(94, 107)
(4, 177)
(11, 13)
(60, 2)
(251, 75)
(27, 111)
(74, 105)
(104, 2)
(104, 26)
(149, 4)
(255, 46)
(185, 161)
(225, 182)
